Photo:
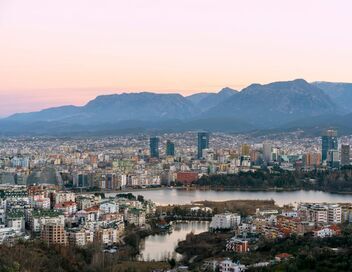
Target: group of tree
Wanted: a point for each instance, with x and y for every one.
(309, 253)
(327, 180)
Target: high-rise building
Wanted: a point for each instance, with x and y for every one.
(312, 159)
(111, 181)
(154, 147)
(267, 149)
(333, 159)
(328, 142)
(82, 180)
(170, 148)
(345, 154)
(275, 154)
(203, 143)
(245, 149)
(53, 233)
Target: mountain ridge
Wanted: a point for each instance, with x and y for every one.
(277, 105)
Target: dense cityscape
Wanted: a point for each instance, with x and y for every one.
(175, 136)
(79, 192)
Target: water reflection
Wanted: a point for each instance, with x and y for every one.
(173, 196)
(162, 247)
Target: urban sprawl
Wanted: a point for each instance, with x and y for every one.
(76, 191)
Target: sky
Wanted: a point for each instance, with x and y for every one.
(69, 51)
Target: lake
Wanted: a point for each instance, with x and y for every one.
(175, 196)
(162, 246)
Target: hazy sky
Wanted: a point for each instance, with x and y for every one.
(69, 51)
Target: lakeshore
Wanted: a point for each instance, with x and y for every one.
(171, 196)
(214, 188)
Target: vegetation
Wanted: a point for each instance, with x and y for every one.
(35, 256)
(183, 212)
(243, 207)
(309, 253)
(204, 245)
(129, 196)
(332, 181)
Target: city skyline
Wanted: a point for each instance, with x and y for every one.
(67, 53)
(189, 135)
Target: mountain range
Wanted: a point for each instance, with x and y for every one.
(277, 106)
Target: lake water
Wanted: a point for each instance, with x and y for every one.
(162, 247)
(174, 196)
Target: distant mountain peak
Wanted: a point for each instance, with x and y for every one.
(275, 103)
(227, 90)
(300, 80)
(258, 106)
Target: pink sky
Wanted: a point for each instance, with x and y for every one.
(69, 51)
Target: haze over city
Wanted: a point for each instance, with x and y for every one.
(175, 136)
(68, 52)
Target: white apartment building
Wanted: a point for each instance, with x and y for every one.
(322, 213)
(17, 224)
(8, 233)
(108, 235)
(109, 207)
(319, 214)
(135, 216)
(228, 265)
(80, 237)
(334, 214)
(36, 221)
(61, 197)
(225, 221)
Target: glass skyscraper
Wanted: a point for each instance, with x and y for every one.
(170, 148)
(203, 143)
(328, 142)
(154, 147)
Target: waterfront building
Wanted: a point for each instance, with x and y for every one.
(186, 177)
(225, 221)
(135, 216)
(321, 213)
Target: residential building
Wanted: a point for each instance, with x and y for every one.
(186, 177)
(53, 233)
(345, 155)
(228, 265)
(225, 221)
